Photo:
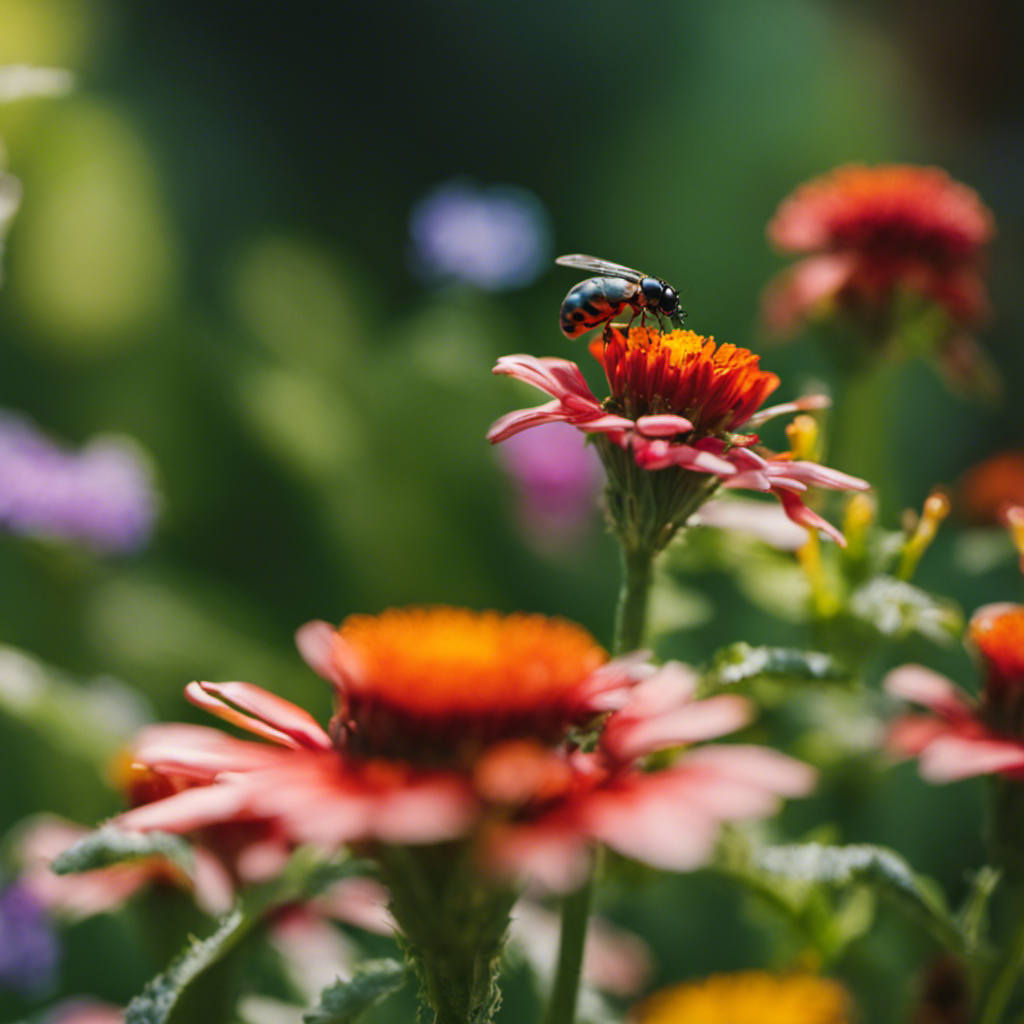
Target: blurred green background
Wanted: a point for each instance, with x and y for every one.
(211, 257)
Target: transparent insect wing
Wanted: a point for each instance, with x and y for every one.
(605, 268)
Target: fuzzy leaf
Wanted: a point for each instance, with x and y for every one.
(740, 664)
(345, 1001)
(896, 608)
(110, 845)
(874, 866)
(156, 1002)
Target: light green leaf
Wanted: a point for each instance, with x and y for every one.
(156, 1002)
(740, 665)
(345, 1001)
(110, 845)
(874, 866)
(896, 608)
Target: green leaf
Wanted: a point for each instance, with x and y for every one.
(345, 1001)
(740, 665)
(896, 609)
(110, 845)
(157, 1001)
(877, 867)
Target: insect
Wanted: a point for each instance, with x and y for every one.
(598, 299)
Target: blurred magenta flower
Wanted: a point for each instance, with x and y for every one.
(29, 950)
(496, 238)
(101, 496)
(557, 477)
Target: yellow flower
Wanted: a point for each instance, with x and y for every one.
(750, 997)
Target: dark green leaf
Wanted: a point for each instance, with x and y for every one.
(345, 1001)
(110, 845)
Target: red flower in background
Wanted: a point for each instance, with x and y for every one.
(991, 487)
(962, 738)
(873, 237)
(872, 230)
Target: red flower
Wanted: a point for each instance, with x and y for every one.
(677, 401)
(962, 738)
(991, 487)
(457, 724)
(873, 231)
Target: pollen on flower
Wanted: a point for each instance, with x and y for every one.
(998, 633)
(717, 387)
(750, 997)
(415, 669)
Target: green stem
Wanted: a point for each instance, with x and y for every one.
(862, 428)
(630, 622)
(631, 613)
(1002, 987)
(561, 1008)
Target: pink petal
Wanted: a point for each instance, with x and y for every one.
(427, 812)
(763, 520)
(909, 735)
(951, 758)
(281, 715)
(188, 810)
(203, 764)
(760, 766)
(659, 454)
(817, 475)
(665, 425)
(650, 826)
(806, 404)
(214, 889)
(513, 423)
(700, 720)
(558, 377)
(800, 513)
(557, 859)
(359, 901)
(271, 717)
(315, 641)
(921, 685)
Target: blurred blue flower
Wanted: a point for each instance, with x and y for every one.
(29, 950)
(101, 496)
(496, 238)
(557, 478)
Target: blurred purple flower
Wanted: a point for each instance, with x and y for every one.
(29, 950)
(101, 496)
(557, 477)
(496, 238)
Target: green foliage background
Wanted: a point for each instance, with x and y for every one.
(211, 258)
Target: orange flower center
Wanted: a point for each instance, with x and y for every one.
(418, 677)
(716, 387)
(998, 633)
